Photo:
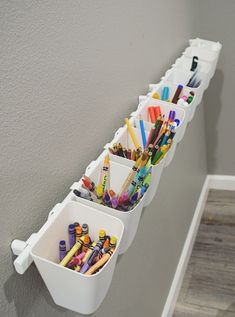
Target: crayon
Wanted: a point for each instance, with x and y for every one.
(71, 253)
(100, 263)
(77, 260)
(71, 230)
(85, 229)
(132, 134)
(102, 235)
(78, 233)
(88, 253)
(114, 202)
(86, 243)
(113, 242)
(62, 249)
(90, 260)
(177, 94)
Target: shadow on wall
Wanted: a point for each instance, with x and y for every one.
(18, 287)
(212, 106)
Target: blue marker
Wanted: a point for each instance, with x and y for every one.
(143, 133)
(165, 93)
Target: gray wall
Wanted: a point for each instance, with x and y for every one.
(217, 22)
(70, 72)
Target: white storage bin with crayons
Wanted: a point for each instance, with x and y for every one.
(187, 63)
(128, 211)
(203, 54)
(69, 288)
(123, 150)
(179, 95)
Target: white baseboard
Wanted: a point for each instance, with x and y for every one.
(222, 182)
(225, 182)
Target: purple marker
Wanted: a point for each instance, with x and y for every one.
(62, 249)
(133, 199)
(71, 230)
(94, 253)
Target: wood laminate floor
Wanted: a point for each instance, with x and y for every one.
(208, 289)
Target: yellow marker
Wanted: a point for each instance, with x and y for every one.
(156, 95)
(71, 253)
(132, 134)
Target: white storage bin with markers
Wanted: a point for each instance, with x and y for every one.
(188, 63)
(143, 111)
(187, 98)
(203, 54)
(69, 288)
(194, 80)
(123, 138)
(118, 175)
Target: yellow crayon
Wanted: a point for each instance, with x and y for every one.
(71, 253)
(132, 134)
(100, 263)
(77, 268)
(89, 251)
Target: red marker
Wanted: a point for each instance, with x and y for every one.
(88, 184)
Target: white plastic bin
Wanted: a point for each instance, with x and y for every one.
(178, 76)
(122, 136)
(70, 289)
(185, 63)
(166, 107)
(204, 55)
(118, 174)
(189, 109)
(206, 44)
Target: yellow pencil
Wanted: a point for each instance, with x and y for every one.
(132, 134)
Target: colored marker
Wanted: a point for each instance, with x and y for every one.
(177, 94)
(165, 93)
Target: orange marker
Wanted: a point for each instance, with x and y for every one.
(152, 114)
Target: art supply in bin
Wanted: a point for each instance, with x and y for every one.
(84, 255)
(159, 141)
(179, 97)
(132, 190)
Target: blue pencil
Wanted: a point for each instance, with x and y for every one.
(143, 133)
